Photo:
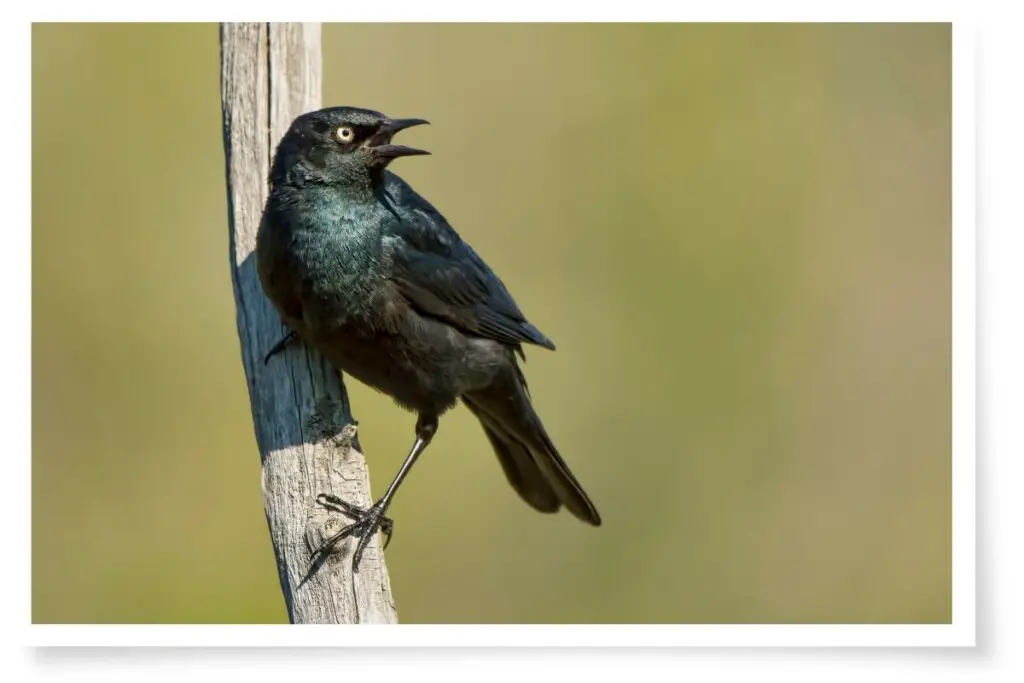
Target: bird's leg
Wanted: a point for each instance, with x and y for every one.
(280, 346)
(367, 521)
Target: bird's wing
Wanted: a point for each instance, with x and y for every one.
(443, 278)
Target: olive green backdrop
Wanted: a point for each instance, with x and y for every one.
(738, 236)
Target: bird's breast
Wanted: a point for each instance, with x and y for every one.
(341, 275)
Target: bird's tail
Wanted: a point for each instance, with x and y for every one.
(527, 455)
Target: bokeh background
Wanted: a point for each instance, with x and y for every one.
(739, 236)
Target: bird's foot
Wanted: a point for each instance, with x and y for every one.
(285, 342)
(366, 524)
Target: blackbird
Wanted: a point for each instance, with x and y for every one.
(369, 273)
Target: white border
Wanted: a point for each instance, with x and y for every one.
(964, 296)
(528, 635)
(519, 11)
(961, 632)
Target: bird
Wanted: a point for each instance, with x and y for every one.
(366, 271)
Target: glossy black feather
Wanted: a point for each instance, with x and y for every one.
(442, 277)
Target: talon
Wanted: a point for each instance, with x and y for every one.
(329, 544)
(280, 346)
(367, 522)
(326, 499)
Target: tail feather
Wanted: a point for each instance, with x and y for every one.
(520, 469)
(530, 460)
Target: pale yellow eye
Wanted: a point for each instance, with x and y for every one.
(346, 134)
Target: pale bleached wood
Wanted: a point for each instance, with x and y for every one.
(270, 73)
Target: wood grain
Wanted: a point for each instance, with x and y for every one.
(306, 435)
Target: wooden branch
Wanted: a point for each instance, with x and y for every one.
(270, 73)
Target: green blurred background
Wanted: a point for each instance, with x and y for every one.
(739, 236)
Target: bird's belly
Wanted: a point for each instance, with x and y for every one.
(425, 368)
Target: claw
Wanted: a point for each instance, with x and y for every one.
(280, 346)
(329, 544)
(366, 524)
(386, 529)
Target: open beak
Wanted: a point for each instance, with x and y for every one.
(380, 143)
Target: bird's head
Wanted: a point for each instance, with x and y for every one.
(341, 145)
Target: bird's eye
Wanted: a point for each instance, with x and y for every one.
(346, 134)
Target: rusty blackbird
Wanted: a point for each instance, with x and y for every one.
(368, 272)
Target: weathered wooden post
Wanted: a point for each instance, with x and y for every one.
(270, 73)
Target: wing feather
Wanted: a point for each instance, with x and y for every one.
(442, 277)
